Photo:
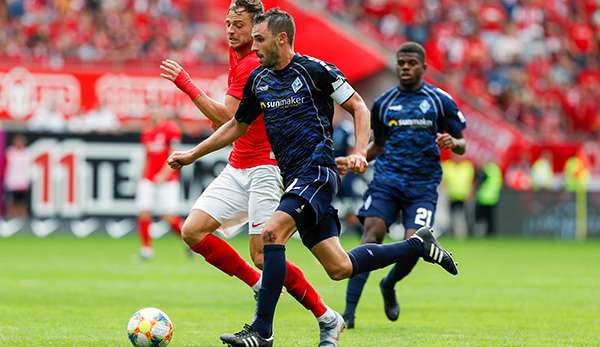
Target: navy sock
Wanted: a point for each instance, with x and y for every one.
(372, 256)
(399, 271)
(353, 292)
(270, 290)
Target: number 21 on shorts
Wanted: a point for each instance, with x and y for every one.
(423, 217)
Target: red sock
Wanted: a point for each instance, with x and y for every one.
(144, 230)
(176, 222)
(221, 255)
(299, 287)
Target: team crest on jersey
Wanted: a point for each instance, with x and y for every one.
(297, 85)
(424, 106)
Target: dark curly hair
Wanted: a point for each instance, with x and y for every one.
(278, 21)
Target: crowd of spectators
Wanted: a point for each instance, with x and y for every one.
(111, 31)
(538, 61)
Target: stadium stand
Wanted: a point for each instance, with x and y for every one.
(536, 61)
(526, 69)
(141, 31)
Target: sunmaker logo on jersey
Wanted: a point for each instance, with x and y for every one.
(284, 103)
(413, 123)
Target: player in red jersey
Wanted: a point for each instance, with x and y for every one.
(159, 182)
(249, 188)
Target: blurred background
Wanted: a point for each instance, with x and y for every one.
(78, 77)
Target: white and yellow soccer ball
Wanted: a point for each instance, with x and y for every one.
(150, 327)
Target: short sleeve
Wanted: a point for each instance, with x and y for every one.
(249, 108)
(452, 121)
(333, 82)
(380, 130)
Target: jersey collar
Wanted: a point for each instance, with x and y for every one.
(294, 59)
(418, 91)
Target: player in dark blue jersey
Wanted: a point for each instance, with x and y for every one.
(296, 93)
(410, 123)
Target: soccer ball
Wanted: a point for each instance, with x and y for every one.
(150, 327)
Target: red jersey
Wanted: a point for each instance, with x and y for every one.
(157, 142)
(253, 148)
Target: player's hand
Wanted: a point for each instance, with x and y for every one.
(445, 141)
(175, 73)
(342, 165)
(357, 163)
(171, 69)
(179, 159)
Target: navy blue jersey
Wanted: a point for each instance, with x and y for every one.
(297, 103)
(409, 122)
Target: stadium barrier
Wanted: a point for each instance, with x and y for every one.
(88, 183)
(74, 90)
(546, 213)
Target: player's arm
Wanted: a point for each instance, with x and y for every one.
(456, 143)
(223, 136)
(380, 132)
(453, 123)
(355, 105)
(217, 112)
(247, 112)
(332, 81)
(375, 148)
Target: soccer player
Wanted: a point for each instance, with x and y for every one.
(410, 121)
(249, 188)
(296, 95)
(159, 182)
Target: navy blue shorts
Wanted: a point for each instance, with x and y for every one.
(417, 204)
(307, 199)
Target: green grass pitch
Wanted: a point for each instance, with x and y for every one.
(63, 291)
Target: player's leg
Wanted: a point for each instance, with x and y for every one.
(379, 210)
(414, 215)
(373, 232)
(222, 206)
(175, 222)
(319, 228)
(197, 232)
(169, 193)
(145, 203)
(265, 190)
(330, 322)
(275, 235)
(368, 257)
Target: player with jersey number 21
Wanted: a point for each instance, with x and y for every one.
(296, 93)
(410, 122)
